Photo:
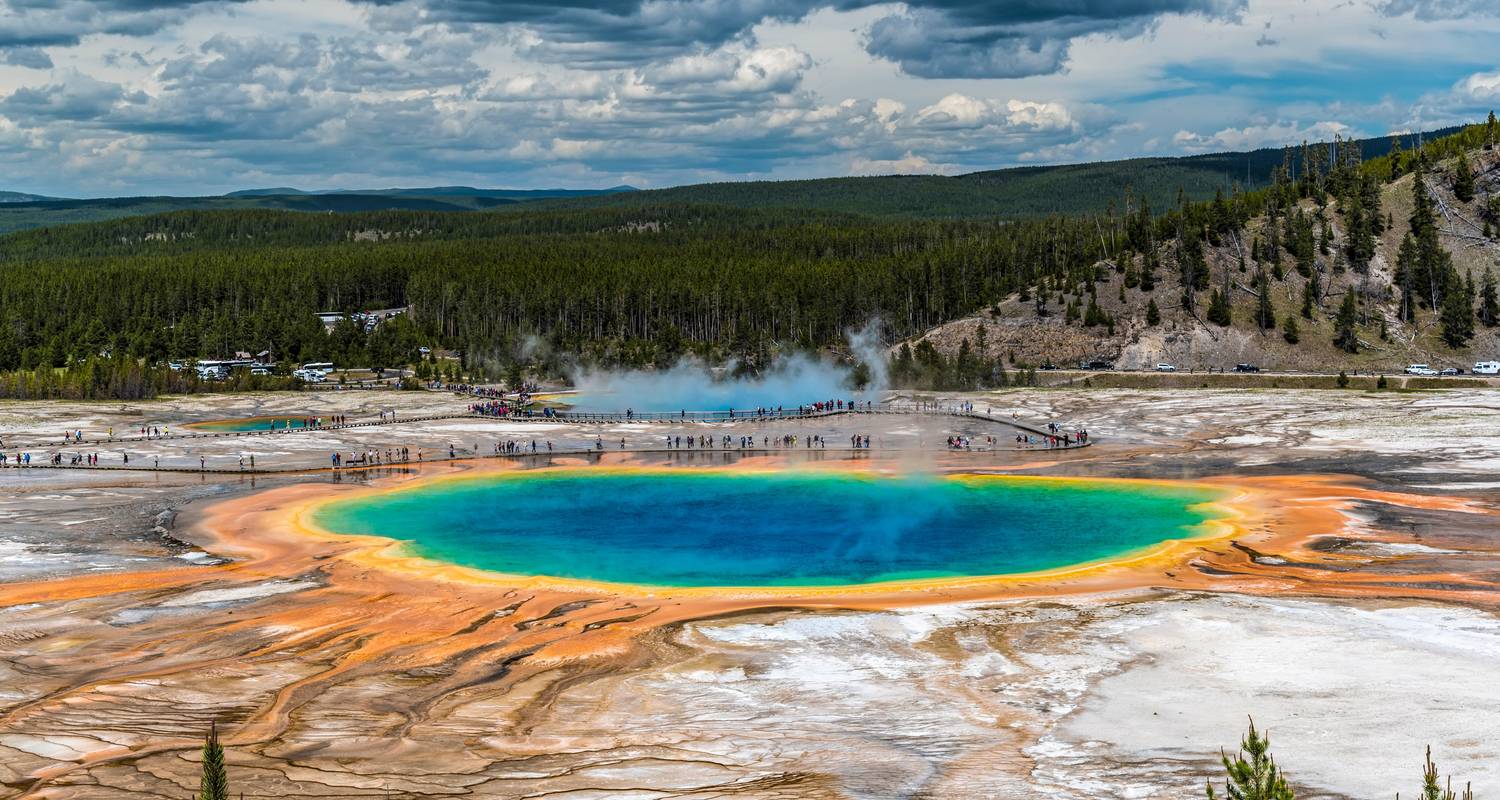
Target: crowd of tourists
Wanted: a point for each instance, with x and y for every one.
(366, 458)
(506, 408)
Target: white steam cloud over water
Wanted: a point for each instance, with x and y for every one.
(692, 385)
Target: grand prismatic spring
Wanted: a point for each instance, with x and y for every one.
(689, 527)
(608, 617)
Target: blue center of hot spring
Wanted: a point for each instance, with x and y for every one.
(726, 528)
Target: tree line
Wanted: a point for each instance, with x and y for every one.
(644, 285)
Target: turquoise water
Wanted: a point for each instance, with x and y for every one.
(250, 424)
(713, 528)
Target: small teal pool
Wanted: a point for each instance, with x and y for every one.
(251, 424)
(728, 528)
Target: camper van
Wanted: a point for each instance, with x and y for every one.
(1487, 368)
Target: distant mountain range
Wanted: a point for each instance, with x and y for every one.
(438, 191)
(21, 211)
(22, 197)
(1013, 192)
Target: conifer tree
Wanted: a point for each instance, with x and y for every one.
(214, 785)
(1289, 330)
(1265, 313)
(1406, 277)
(1346, 336)
(1489, 303)
(1463, 179)
(1153, 314)
(1432, 790)
(964, 369)
(1252, 773)
(1457, 313)
(1219, 311)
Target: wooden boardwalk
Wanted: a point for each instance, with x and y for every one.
(566, 418)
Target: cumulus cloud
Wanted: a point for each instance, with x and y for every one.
(1438, 9)
(1255, 137)
(909, 164)
(77, 98)
(29, 57)
(926, 38)
(1480, 87)
(45, 23)
(976, 39)
(962, 111)
(165, 94)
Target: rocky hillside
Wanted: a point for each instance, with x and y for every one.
(1262, 256)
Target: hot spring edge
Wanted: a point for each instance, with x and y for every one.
(732, 527)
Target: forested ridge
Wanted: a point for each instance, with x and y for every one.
(1036, 191)
(1016, 192)
(645, 284)
(594, 283)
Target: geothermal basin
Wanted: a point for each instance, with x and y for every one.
(693, 527)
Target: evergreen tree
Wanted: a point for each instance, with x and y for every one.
(1153, 314)
(1219, 311)
(1265, 313)
(1463, 178)
(1095, 315)
(1457, 314)
(965, 370)
(1433, 790)
(1252, 773)
(1406, 277)
(1346, 336)
(1289, 329)
(903, 367)
(214, 785)
(1308, 289)
(1489, 303)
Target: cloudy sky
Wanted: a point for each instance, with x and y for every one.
(109, 97)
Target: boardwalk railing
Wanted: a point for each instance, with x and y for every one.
(593, 418)
(805, 412)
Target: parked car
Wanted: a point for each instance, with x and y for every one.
(1246, 368)
(1487, 368)
(1165, 367)
(1420, 369)
(1096, 364)
(1451, 371)
(1048, 365)
(309, 375)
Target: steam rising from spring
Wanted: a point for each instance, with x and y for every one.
(693, 386)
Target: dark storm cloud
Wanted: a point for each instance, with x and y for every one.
(968, 39)
(932, 38)
(32, 57)
(78, 99)
(52, 23)
(1438, 9)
